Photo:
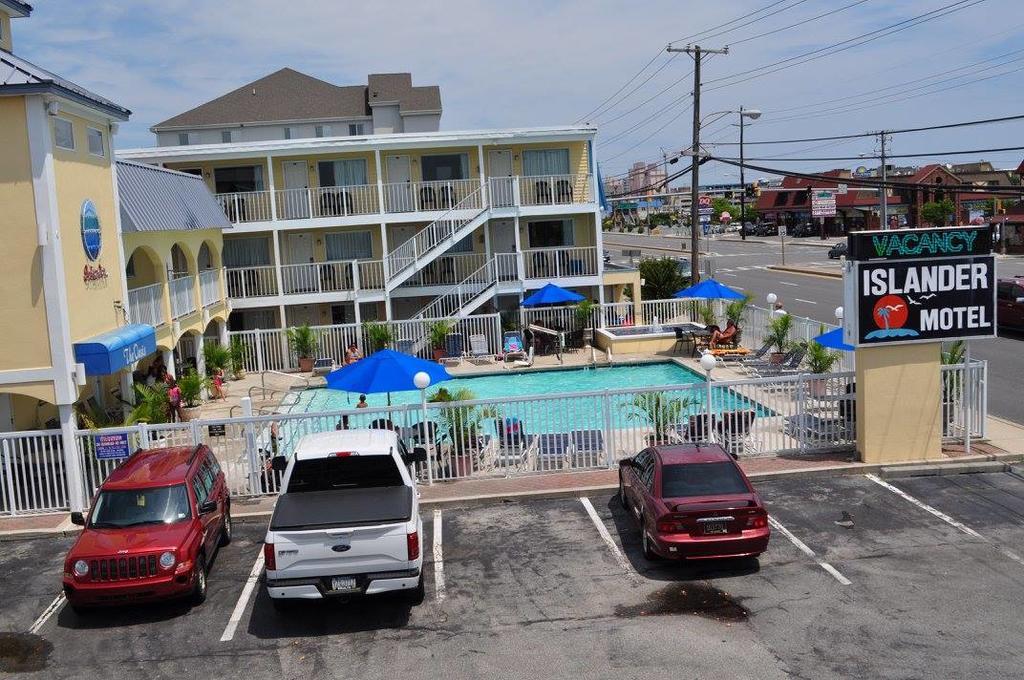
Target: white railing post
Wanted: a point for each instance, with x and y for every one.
(252, 455)
(12, 504)
(356, 283)
(609, 447)
(801, 408)
(309, 200)
(260, 365)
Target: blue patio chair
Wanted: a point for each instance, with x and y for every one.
(454, 347)
(553, 450)
(587, 448)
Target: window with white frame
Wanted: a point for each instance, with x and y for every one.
(349, 245)
(323, 130)
(355, 129)
(545, 162)
(288, 134)
(182, 139)
(344, 173)
(226, 136)
(63, 133)
(95, 139)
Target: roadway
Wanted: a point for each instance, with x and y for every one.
(744, 266)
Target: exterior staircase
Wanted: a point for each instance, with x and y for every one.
(436, 238)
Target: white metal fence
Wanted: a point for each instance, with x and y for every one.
(209, 286)
(794, 414)
(183, 298)
(146, 305)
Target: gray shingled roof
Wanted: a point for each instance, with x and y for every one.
(155, 199)
(18, 76)
(288, 95)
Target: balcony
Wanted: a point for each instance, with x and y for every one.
(553, 263)
(209, 287)
(405, 197)
(146, 305)
(251, 282)
(183, 298)
(307, 278)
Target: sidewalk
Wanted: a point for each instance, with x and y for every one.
(1005, 443)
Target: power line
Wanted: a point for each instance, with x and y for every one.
(799, 23)
(624, 86)
(752, 21)
(649, 99)
(658, 185)
(731, 21)
(843, 45)
(641, 84)
(667, 123)
(966, 152)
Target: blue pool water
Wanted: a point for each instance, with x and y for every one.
(557, 415)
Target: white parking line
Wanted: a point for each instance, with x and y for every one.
(807, 551)
(607, 537)
(945, 518)
(726, 274)
(787, 283)
(54, 607)
(438, 558)
(243, 599)
(810, 302)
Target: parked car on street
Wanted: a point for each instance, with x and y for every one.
(693, 501)
(804, 230)
(1010, 303)
(153, 529)
(347, 521)
(838, 250)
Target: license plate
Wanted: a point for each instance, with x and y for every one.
(343, 583)
(715, 528)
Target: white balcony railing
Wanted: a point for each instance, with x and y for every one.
(183, 298)
(506, 266)
(550, 263)
(447, 270)
(249, 282)
(554, 189)
(430, 196)
(209, 287)
(296, 204)
(371, 274)
(246, 206)
(318, 277)
(146, 305)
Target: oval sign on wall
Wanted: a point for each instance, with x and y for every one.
(92, 241)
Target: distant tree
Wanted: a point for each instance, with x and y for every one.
(661, 219)
(937, 213)
(720, 205)
(662, 277)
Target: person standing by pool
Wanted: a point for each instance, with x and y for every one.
(362, 402)
(352, 355)
(174, 400)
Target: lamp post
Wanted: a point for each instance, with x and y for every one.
(839, 315)
(752, 114)
(422, 381)
(708, 363)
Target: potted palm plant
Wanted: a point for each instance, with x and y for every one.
(191, 385)
(820, 359)
(303, 341)
(706, 312)
(236, 358)
(658, 410)
(777, 334)
(438, 331)
(952, 355)
(216, 357)
(378, 335)
(736, 310)
(584, 314)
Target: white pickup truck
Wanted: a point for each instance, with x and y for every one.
(347, 521)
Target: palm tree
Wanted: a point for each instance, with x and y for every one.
(884, 313)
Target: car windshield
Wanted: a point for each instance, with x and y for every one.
(344, 472)
(701, 479)
(135, 507)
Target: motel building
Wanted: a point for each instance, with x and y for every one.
(347, 204)
(109, 265)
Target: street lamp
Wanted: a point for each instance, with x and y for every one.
(752, 114)
(422, 381)
(839, 314)
(708, 363)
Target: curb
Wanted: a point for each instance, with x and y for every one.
(998, 462)
(789, 241)
(804, 272)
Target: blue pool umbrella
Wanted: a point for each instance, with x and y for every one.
(552, 295)
(833, 340)
(711, 290)
(384, 371)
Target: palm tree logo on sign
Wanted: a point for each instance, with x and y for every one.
(890, 315)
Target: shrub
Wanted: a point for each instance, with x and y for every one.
(378, 335)
(191, 385)
(303, 340)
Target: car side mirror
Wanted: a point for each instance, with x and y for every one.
(627, 462)
(78, 519)
(418, 455)
(208, 507)
(278, 463)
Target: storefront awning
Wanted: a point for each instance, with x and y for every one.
(111, 351)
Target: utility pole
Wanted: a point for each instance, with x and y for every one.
(743, 187)
(885, 189)
(697, 52)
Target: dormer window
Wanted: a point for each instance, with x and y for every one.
(226, 136)
(323, 130)
(182, 139)
(355, 129)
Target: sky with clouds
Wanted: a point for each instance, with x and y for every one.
(537, 62)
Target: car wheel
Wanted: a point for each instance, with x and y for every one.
(645, 542)
(199, 578)
(417, 594)
(280, 606)
(225, 532)
(622, 495)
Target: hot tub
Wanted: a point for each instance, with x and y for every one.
(659, 339)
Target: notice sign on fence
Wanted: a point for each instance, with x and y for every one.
(112, 446)
(823, 203)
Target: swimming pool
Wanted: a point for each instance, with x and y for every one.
(585, 411)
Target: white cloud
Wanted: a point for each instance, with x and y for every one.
(533, 63)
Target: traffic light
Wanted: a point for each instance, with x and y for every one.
(752, 190)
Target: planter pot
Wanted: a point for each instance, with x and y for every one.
(776, 357)
(239, 374)
(438, 354)
(305, 364)
(190, 413)
(818, 387)
(463, 465)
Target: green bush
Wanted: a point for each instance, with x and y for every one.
(217, 357)
(378, 335)
(191, 385)
(303, 340)
(778, 331)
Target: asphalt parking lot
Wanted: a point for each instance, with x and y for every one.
(910, 578)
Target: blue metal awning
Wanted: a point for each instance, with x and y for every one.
(111, 351)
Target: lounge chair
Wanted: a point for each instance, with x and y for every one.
(512, 345)
(524, 363)
(693, 430)
(808, 428)
(732, 428)
(479, 353)
(587, 448)
(749, 358)
(787, 367)
(454, 347)
(404, 346)
(553, 450)
(682, 338)
(512, 445)
(753, 365)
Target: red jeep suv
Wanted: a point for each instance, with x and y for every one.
(153, 527)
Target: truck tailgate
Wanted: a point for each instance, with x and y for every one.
(342, 508)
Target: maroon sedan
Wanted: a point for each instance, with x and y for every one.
(693, 501)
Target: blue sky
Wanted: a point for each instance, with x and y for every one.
(519, 64)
